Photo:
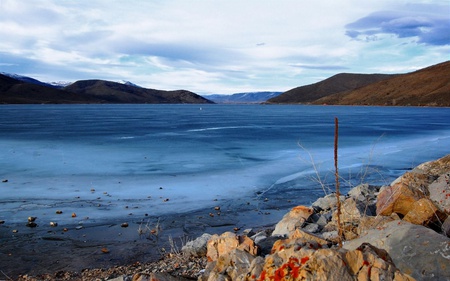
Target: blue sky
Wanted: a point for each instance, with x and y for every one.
(220, 46)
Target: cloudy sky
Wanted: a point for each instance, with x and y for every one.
(220, 46)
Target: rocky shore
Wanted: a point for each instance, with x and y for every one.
(395, 232)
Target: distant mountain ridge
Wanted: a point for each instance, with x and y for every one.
(249, 97)
(336, 84)
(16, 89)
(429, 86)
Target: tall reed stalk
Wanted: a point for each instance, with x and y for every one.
(338, 193)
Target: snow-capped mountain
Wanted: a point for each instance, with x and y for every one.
(128, 83)
(250, 97)
(59, 84)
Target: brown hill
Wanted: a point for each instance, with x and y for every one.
(336, 84)
(112, 92)
(426, 87)
(13, 91)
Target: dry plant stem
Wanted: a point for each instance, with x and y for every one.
(338, 193)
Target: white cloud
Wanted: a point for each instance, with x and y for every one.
(220, 46)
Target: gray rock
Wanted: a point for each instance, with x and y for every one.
(197, 247)
(446, 227)
(363, 191)
(311, 228)
(440, 192)
(324, 219)
(259, 236)
(415, 250)
(265, 245)
(292, 220)
(328, 202)
(248, 232)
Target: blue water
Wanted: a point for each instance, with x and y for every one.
(106, 161)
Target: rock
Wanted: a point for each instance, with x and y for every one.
(32, 219)
(446, 227)
(231, 266)
(353, 210)
(332, 236)
(300, 234)
(248, 232)
(265, 245)
(368, 223)
(434, 168)
(226, 242)
(415, 249)
(397, 198)
(292, 220)
(424, 212)
(364, 192)
(296, 260)
(312, 228)
(328, 202)
(440, 192)
(259, 236)
(197, 247)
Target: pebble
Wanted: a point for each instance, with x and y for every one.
(74, 215)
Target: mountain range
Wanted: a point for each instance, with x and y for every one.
(15, 89)
(429, 86)
(251, 97)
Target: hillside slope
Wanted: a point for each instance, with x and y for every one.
(336, 84)
(112, 92)
(30, 91)
(14, 91)
(425, 87)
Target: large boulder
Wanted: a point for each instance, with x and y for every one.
(197, 247)
(414, 249)
(424, 212)
(225, 243)
(401, 194)
(230, 266)
(296, 260)
(292, 220)
(440, 192)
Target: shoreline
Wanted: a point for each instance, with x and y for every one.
(73, 247)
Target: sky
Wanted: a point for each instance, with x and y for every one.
(220, 46)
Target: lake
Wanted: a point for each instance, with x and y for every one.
(106, 161)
